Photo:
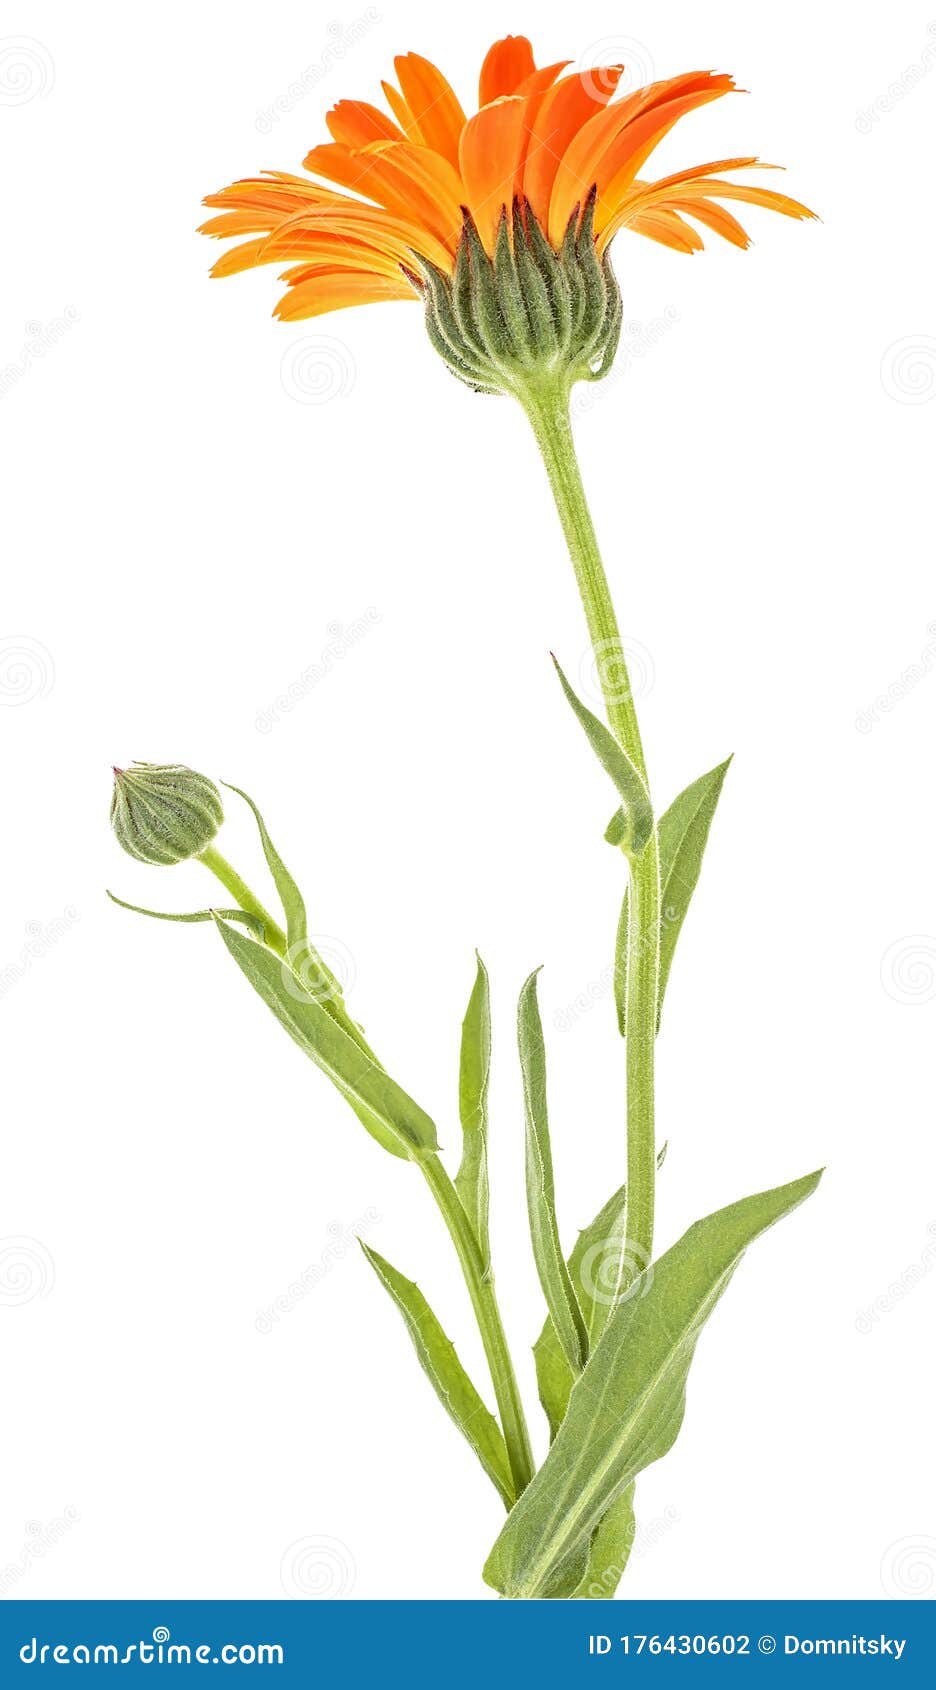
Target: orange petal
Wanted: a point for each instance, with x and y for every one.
(508, 63)
(558, 116)
(407, 180)
(608, 152)
(716, 218)
(434, 106)
(401, 112)
(357, 124)
(333, 289)
(669, 229)
(492, 146)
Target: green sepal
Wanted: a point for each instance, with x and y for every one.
(636, 825)
(383, 1107)
(440, 1363)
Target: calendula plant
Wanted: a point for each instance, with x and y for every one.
(500, 224)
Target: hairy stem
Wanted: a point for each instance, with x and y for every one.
(487, 1314)
(547, 406)
(238, 888)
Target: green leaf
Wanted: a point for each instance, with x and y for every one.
(683, 834)
(289, 894)
(594, 1251)
(471, 1181)
(541, 1193)
(626, 1409)
(451, 1383)
(382, 1106)
(632, 827)
(250, 921)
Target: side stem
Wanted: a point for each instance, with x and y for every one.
(547, 406)
(480, 1284)
(487, 1314)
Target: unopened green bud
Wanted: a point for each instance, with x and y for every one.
(163, 812)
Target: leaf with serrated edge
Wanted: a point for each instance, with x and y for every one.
(451, 1383)
(471, 1181)
(683, 834)
(626, 1409)
(637, 824)
(253, 922)
(554, 1277)
(383, 1107)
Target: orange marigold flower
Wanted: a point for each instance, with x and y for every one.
(545, 154)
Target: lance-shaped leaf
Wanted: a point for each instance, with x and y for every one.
(626, 1409)
(683, 834)
(551, 1266)
(449, 1380)
(382, 1106)
(471, 1181)
(251, 921)
(594, 1267)
(633, 824)
(593, 1270)
(289, 894)
(302, 956)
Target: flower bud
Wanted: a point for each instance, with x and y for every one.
(501, 322)
(163, 812)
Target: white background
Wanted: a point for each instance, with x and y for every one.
(187, 532)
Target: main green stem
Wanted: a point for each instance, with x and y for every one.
(547, 405)
(478, 1278)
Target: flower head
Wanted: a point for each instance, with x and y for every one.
(498, 214)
